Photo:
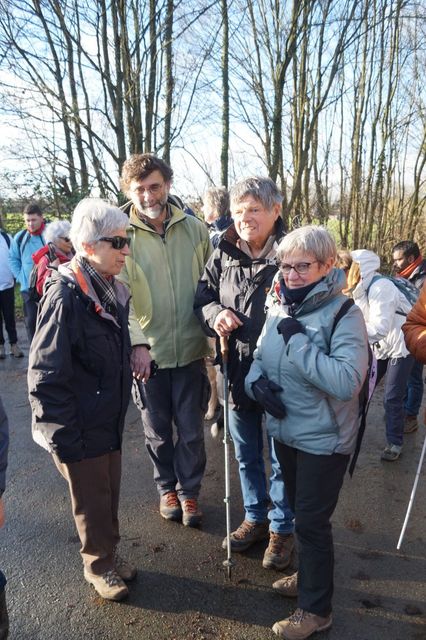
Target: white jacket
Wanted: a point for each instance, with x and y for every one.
(380, 308)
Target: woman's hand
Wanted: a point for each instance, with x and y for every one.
(226, 322)
(289, 327)
(266, 393)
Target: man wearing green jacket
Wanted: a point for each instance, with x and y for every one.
(168, 252)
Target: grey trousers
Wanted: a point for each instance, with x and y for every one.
(176, 396)
(94, 485)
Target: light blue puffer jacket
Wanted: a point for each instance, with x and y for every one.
(321, 375)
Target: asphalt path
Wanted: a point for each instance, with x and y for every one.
(182, 591)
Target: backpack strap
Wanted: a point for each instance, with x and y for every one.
(365, 400)
(6, 237)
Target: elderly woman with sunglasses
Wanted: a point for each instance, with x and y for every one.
(79, 380)
(57, 250)
(307, 374)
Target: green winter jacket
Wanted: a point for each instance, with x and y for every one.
(162, 274)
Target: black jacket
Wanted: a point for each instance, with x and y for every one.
(229, 281)
(419, 275)
(79, 375)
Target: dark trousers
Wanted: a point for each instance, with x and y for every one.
(414, 397)
(397, 372)
(7, 314)
(178, 395)
(30, 314)
(312, 484)
(4, 618)
(94, 486)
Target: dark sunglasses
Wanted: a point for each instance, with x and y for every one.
(65, 239)
(117, 242)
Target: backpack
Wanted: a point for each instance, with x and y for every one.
(367, 388)
(32, 280)
(410, 291)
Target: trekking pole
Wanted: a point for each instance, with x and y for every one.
(413, 493)
(228, 563)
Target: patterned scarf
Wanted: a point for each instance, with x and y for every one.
(104, 287)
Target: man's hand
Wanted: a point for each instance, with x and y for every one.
(1, 513)
(226, 322)
(140, 361)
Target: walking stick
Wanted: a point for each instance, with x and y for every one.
(413, 493)
(228, 563)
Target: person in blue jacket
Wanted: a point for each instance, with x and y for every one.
(4, 446)
(24, 244)
(307, 374)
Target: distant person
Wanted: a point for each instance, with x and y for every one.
(169, 251)
(308, 374)
(7, 300)
(216, 212)
(24, 244)
(409, 263)
(230, 302)
(56, 234)
(384, 308)
(4, 445)
(79, 382)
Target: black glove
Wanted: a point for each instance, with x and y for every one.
(289, 327)
(264, 391)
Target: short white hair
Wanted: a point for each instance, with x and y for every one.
(94, 218)
(57, 229)
(311, 239)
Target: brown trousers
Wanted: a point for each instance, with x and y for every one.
(94, 486)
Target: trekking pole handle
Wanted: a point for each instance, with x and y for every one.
(224, 348)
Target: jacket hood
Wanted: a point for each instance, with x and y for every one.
(368, 261)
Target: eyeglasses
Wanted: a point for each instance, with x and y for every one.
(117, 242)
(65, 239)
(300, 267)
(153, 189)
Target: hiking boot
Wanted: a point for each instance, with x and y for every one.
(301, 624)
(247, 534)
(2, 352)
(278, 554)
(287, 586)
(410, 424)
(191, 515)
(125, 570)
(391, 452)
(170, 507)
(15, 351)
(109, 585)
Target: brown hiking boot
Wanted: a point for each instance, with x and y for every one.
(15, 351)
(410, 424)
(109, 585)
(247, 534)
(191, 515)
(278, 554)
(170, 507)
(301, 624)
(287, 586)
(125, 570)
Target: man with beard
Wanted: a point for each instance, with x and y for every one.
(169, 251)
(408, 263)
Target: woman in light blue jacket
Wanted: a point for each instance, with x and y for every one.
(307, 373)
